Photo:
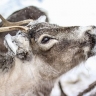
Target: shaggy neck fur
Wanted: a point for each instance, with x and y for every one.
(24, 79)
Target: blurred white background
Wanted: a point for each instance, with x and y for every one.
(62, 12)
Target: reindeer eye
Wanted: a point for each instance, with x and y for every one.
(45, 39)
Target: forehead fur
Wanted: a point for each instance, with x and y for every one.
(70, 33)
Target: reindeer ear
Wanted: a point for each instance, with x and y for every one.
(42, 19)
(39, 20)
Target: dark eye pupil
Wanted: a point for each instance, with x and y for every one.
(45, 40)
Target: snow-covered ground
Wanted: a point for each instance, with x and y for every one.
(65, 13)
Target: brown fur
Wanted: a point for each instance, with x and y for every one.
(68, 47)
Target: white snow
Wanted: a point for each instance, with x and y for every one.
(62, 12)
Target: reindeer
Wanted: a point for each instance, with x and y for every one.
(40, 53)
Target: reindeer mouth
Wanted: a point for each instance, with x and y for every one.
(18, 45)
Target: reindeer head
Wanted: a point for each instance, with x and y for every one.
(55, 49)
(61, 48)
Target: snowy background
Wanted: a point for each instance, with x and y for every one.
(64, 13)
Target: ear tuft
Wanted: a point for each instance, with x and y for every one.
(42, 19)
(39, 20)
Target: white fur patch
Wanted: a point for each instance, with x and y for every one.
(56, 90)
(42, 18)
(83, 29)
(19, 40)
(12, 45)
(39, 20)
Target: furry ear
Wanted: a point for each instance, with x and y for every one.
(39, 20)
(42, 19)
(8, 42)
